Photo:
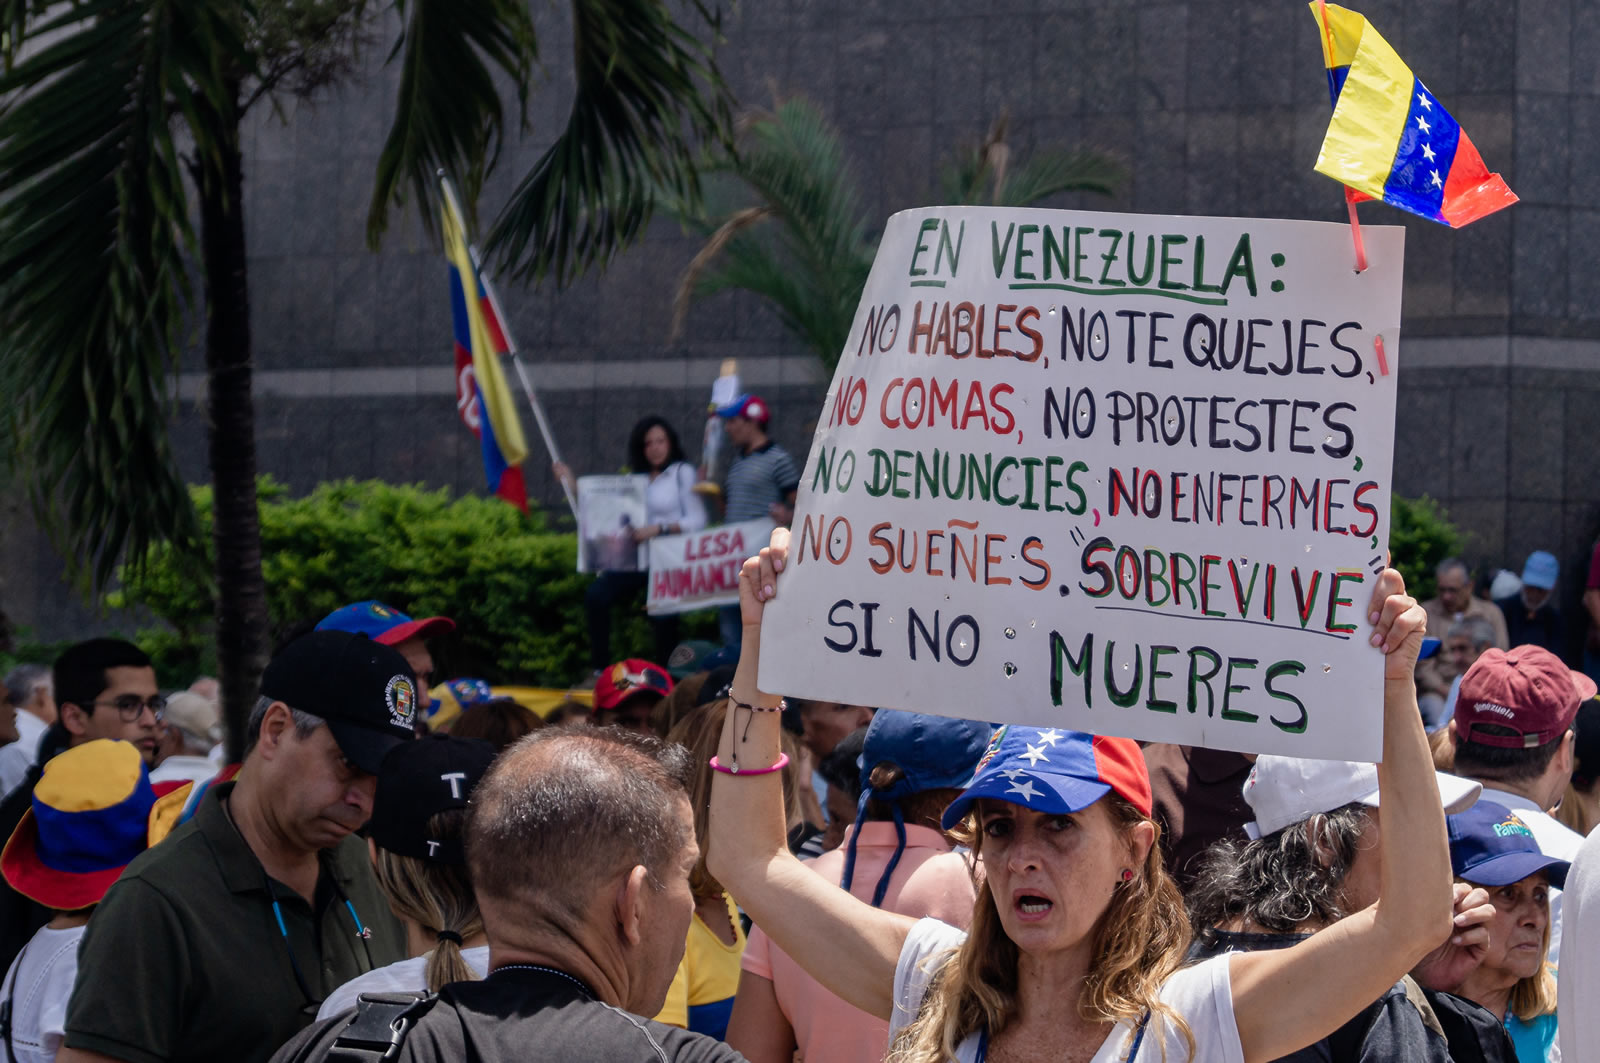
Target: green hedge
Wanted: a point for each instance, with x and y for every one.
(507, 580)
(1420, 536)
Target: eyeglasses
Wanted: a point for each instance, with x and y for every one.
(131, 706)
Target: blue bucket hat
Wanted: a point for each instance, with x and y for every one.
(1491, 846)
(932, 752)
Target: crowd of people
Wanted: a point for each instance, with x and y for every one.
(687, 866)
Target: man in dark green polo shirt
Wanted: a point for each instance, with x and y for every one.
(220, 942)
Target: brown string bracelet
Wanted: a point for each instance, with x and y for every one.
(736, 704)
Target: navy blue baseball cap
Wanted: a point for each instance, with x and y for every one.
(933, 752)
(1490, 845)
(1056, 772)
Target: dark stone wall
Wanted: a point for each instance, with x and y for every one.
(1215, 107)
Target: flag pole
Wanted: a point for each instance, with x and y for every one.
(1349, 193)
(511, 343)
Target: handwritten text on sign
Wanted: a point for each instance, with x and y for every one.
(1119, 473)
(701, 569)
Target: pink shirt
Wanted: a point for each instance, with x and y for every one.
(929, 881)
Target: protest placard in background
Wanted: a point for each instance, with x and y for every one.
(609, 509)
(701, 569)
(1119, 473)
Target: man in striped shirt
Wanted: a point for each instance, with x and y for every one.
(761, 482)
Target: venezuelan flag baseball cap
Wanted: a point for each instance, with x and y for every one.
(94, 810)
(381, 623)
(752, 406)
(1056, 772)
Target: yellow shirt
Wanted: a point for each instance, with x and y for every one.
(701, 996)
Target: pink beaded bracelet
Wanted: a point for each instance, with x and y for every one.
(783, 762)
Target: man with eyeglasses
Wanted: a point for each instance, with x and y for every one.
(105, 688)
(221, 942)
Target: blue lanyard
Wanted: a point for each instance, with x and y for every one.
(1138, 1039)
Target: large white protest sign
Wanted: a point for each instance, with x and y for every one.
(1119, 473)
(610, 508)
(701, 569)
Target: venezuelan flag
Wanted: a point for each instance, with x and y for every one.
(482, 395)
(1390, 138)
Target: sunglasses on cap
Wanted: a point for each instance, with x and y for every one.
(646, 680)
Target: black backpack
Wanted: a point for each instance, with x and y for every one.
(375, 1034)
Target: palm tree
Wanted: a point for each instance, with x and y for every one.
(785, 221)
(119, 127)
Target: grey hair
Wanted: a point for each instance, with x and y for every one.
(1450, 564)
(304, 722)
(1476, 628)
(23, 680)
(1290, 877)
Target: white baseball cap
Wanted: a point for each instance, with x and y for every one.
(1283, 791)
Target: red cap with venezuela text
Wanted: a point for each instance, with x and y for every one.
(1526, 693)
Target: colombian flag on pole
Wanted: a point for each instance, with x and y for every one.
(482, 396)
(1390, 138)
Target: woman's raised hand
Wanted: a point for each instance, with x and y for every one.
(1398, 625)
(758, 579)
(1447, 966)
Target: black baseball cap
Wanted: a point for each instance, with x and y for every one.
(363, 690)
(416, 782)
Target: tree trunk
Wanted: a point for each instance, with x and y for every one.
(242, 618)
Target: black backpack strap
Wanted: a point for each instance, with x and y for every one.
(379, 1027)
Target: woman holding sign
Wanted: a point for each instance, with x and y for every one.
(1078, 933)
(671, 508)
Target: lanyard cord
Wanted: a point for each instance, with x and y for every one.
(362, 932)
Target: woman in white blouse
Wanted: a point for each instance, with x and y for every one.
(1077, 933)
(671, 508)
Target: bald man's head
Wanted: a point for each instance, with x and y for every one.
(565, 811)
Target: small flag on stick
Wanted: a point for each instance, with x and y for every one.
(1390, 138)
(483, 398)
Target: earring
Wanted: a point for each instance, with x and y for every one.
(1127, 875)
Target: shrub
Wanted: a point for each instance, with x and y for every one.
(1420, 536)
(507, 580)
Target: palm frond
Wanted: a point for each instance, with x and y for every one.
(648, 94)
(740, 221)
(1049, 172)
(812, 258)
(94, 229)
(989, 174)
(448, 115)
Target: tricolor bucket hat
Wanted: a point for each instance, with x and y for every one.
(94, 810)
